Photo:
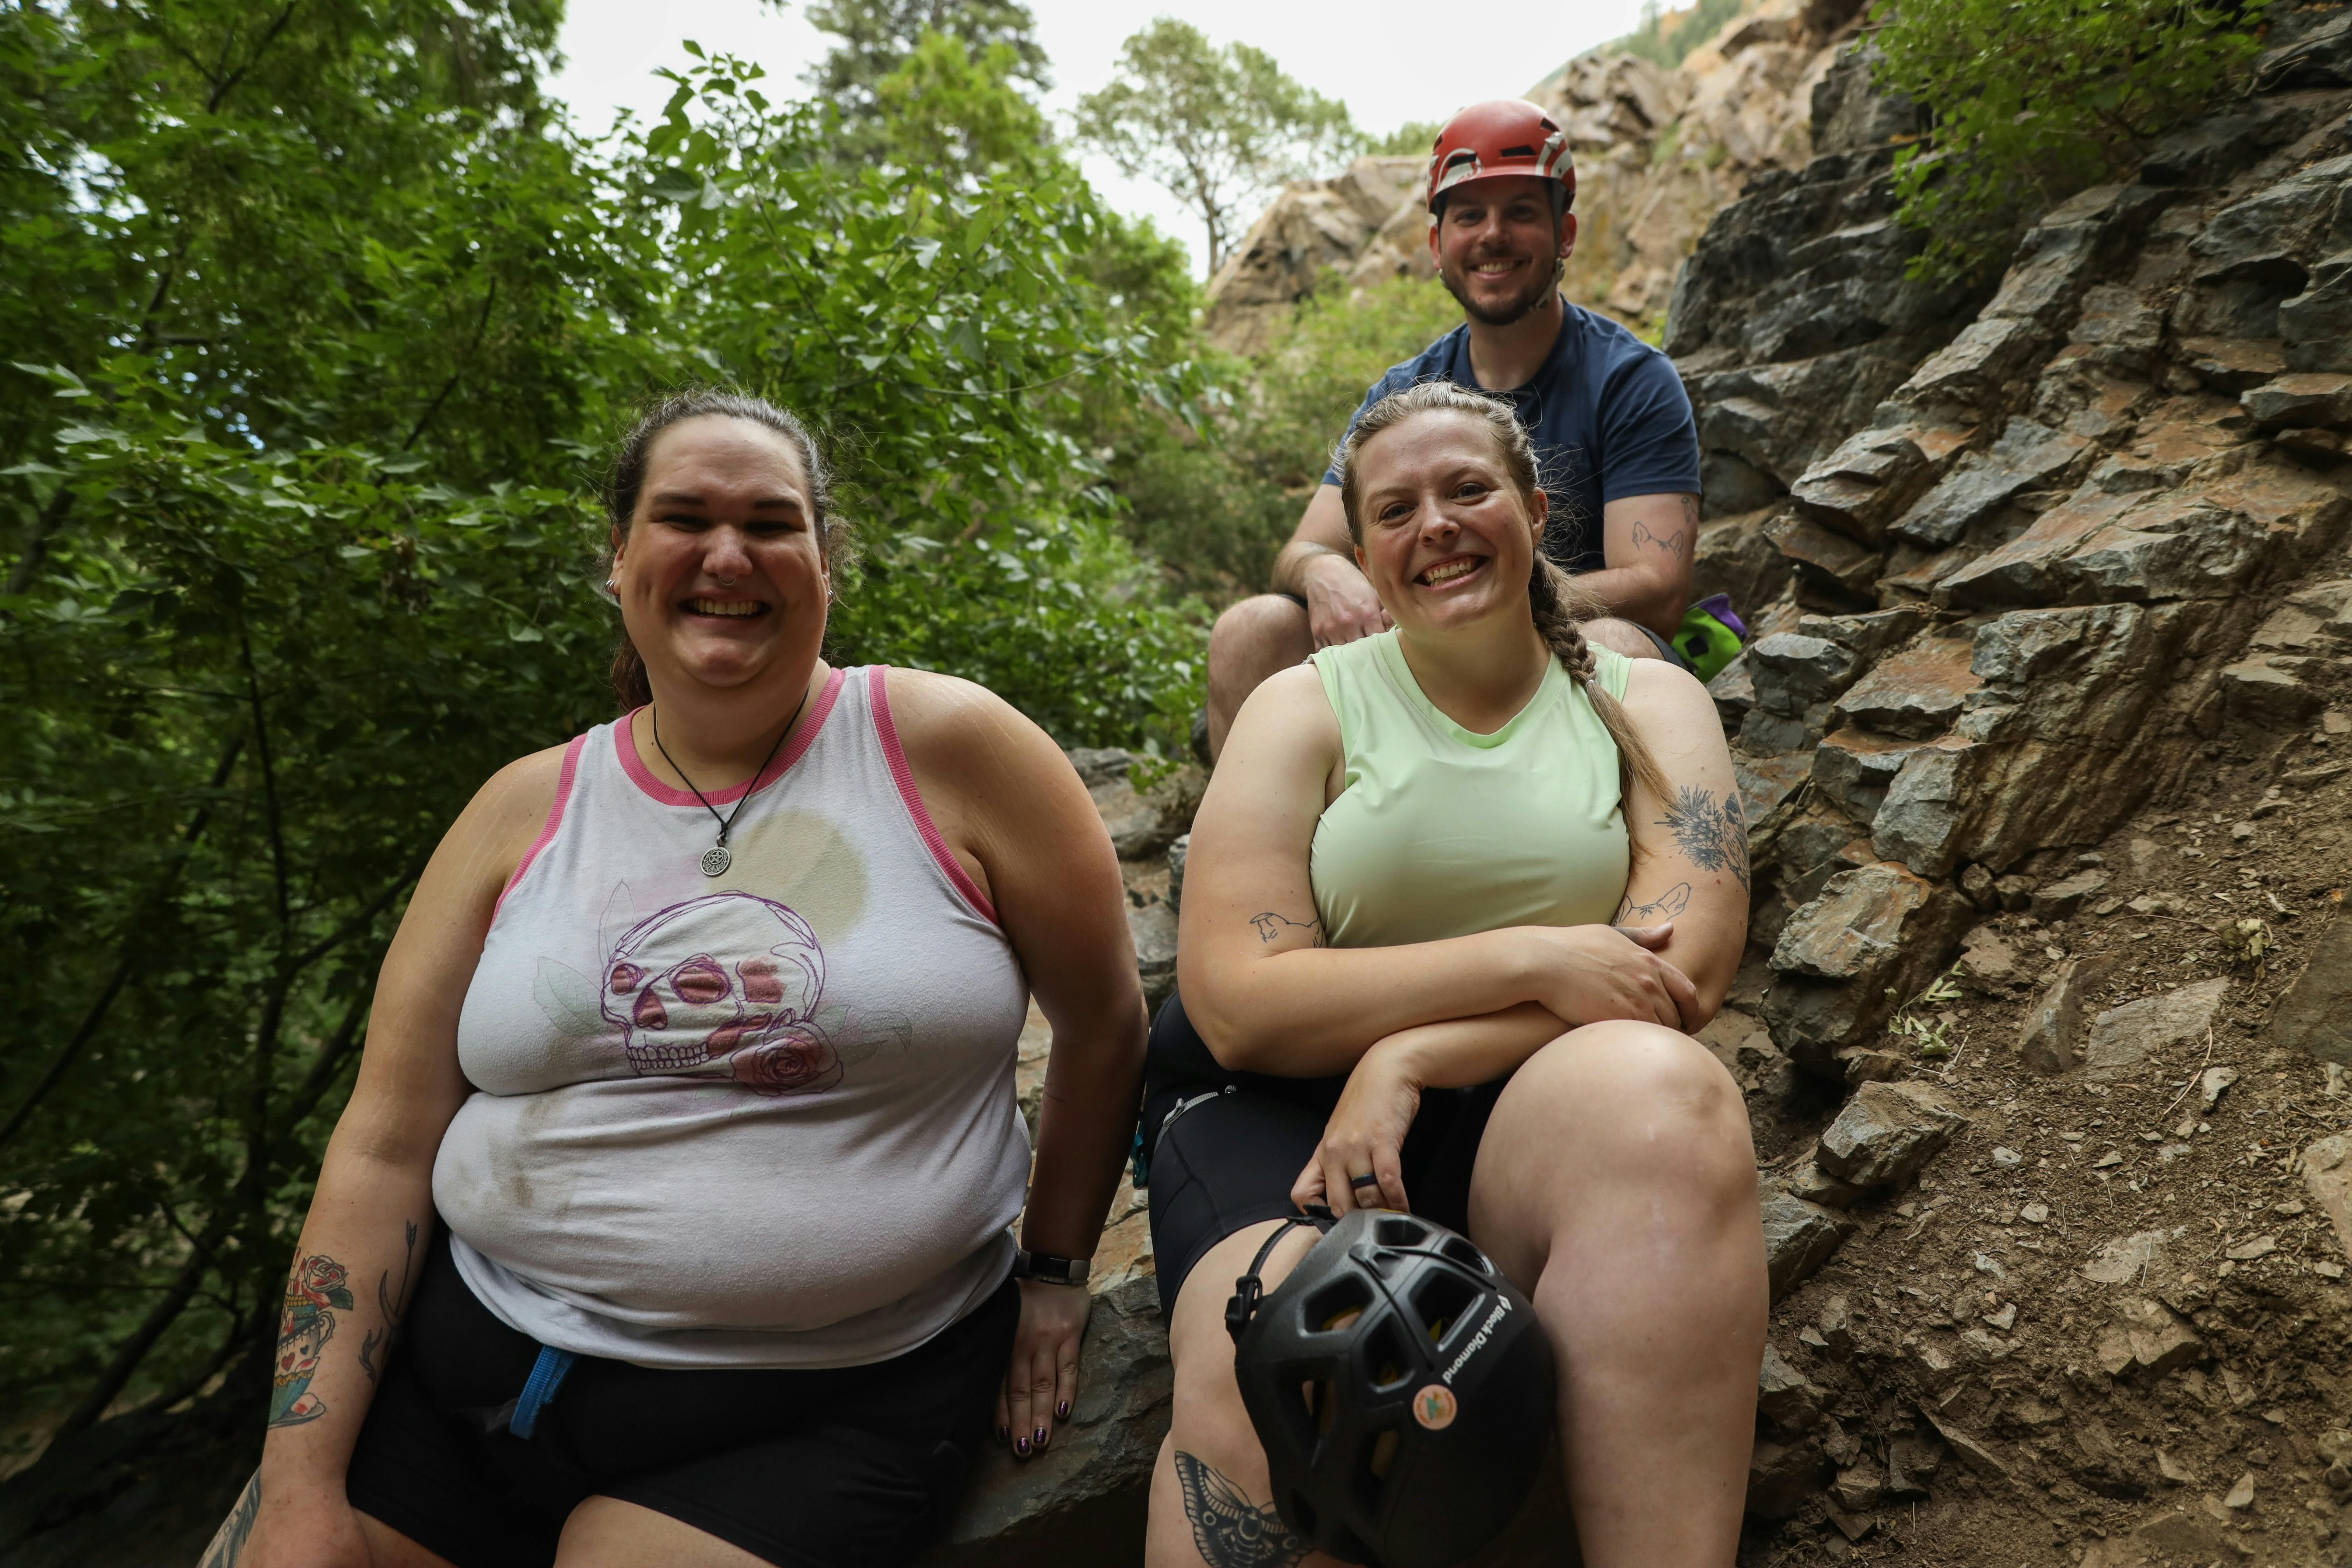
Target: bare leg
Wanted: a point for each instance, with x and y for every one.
(1250, 642)
(1622, 637)
(605, 1533)
(1617, 1179)
(1211, 1502)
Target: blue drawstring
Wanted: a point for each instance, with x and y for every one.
(547, 1375)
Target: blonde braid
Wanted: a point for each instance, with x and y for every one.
(1558, 606)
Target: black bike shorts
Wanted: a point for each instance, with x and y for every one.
(844, 1468)
(1238, 1140)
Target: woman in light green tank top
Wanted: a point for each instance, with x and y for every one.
(1474, 850)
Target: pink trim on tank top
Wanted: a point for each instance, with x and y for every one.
(625, 751)
(572, 752)
(887, 731)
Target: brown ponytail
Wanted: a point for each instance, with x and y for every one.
(1557, 605)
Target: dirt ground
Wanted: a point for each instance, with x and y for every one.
(1962, 1338)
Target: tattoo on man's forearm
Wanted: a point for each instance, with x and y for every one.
(1671, 541)
(228, 1541)
(391, 1302)
(315, 1291)
(1715, 837)
(1231, 1530)
(1271, 926)
(1664, 907)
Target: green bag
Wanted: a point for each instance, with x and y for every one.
(1709, 636)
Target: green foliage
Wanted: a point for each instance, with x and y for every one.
(320, 323)
(1219, 129)
(878, 39)
(956, 117)
(1667, 37)
(1216, 504)
(2035, 99)
(1413, 139)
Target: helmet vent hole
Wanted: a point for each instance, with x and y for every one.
(1401, 1232)
(1385, 1356)
(1338, 1305)
(1322, 1404)
(1518, 152)
(1384, 1449)
(1459, 1249)
(1441, 1301)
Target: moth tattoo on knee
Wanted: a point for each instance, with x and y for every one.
(1231, 1530)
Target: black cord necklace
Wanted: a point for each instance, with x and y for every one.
(717, 858)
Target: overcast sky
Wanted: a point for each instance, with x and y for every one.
(1387, 60)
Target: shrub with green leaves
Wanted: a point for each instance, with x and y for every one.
(2036, 100)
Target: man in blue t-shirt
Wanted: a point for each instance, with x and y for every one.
(1612, 426)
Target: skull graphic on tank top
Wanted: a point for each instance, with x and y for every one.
(725, 985)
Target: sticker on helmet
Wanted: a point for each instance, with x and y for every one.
(1433, 1407)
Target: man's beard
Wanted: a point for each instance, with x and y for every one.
(1531, 297)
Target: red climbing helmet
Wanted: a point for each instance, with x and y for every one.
(1501, 136)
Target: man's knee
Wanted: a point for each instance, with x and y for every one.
(1620, 637)
(1265, 633)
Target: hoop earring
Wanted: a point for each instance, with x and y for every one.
(611, 592)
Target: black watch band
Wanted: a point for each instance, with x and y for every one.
(1048, 1270)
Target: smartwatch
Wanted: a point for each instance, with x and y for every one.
(1048, 1269)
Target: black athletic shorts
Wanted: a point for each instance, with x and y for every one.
(853, 1466)
(1238, 1140)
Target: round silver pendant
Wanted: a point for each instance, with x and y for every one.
(715, 859)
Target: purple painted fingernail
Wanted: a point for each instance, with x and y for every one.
(1063, 1410)
(1040, 1439)
(1022, 1447)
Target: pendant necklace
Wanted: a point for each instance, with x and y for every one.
(717, 858)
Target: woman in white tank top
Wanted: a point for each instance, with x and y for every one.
(1408, 897)
(698, 1038)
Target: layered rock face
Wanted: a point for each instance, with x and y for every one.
(1657, 153)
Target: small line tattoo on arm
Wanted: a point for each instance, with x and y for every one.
(1231, 1530)
(1272, 926)
(1671, 541)
(389, 1301)
(1664, 907)
(1713, 835)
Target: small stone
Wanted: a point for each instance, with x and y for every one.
(2275, 1416)
(1864, 1064)
(1836, 1328)
(2173, 1470)
(2241, 832)
(2060, 899)
(1783, 1396)
(2004, 1319)
(2326, 1270)
(2111, 1158)
(2243, 1494)
(2211, 1084)
(1812, 1338)
(1977, 883)
(2015, 891)
(2034, 1213)
(1886, 1132)
(2148, 1340)
(2289, 1208)
(2247, 1251)
(2002, 1157)
(1799, 1237)
(2326, 1167)
(2123, 1037)
(1854, 1527)
(2126, 1257)
(2050, 1040)
(1859, 1487)
(1782, 1477)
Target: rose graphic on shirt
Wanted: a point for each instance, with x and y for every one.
(726, 984)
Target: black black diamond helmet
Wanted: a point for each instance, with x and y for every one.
(1403, 1389)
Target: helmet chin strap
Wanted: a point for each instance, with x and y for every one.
(1249, 1289)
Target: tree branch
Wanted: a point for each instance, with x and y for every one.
(137, 933)
(36, 542)
(480, 326)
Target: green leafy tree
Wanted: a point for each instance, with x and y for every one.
(1219, 129)
(2036, 100)
(880, 39)
(1413, 139)
(322, 322)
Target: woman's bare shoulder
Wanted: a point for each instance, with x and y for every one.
(961, 727)
(1668, 704)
